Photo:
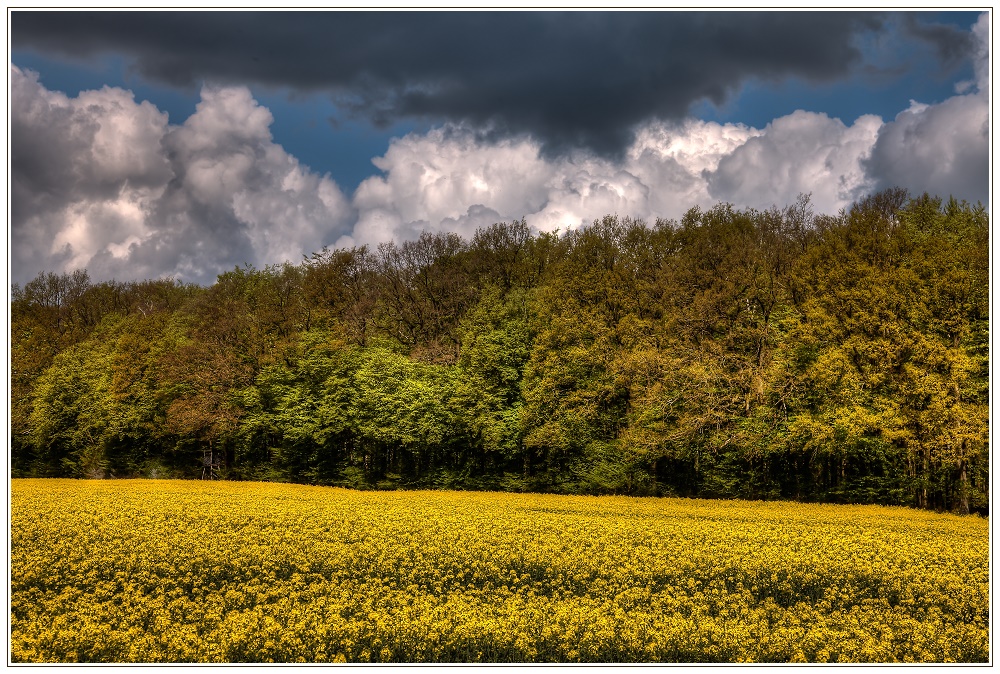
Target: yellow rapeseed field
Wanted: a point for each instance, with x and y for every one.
(171, 571)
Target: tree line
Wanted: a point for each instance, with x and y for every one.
(735, 354)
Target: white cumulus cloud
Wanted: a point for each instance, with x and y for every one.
(942, 148)
(86, 172)
(448, 180)
(103, 182)
(452, 179)
(804, 152)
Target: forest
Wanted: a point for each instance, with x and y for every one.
(751, 354)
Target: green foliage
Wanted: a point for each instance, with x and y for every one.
(749, 354)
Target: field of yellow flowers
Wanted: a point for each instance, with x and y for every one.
(191, 571)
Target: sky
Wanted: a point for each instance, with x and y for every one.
(181, 144)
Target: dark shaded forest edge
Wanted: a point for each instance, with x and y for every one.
(735, 354)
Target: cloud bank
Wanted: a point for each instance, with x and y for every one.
(103, 182)
(107, 183)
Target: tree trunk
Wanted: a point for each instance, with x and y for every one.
(963, 489)
(923, 477)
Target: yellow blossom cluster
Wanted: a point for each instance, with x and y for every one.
(191, 571)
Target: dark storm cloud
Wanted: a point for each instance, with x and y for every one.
(952, 44)
(575, 79)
